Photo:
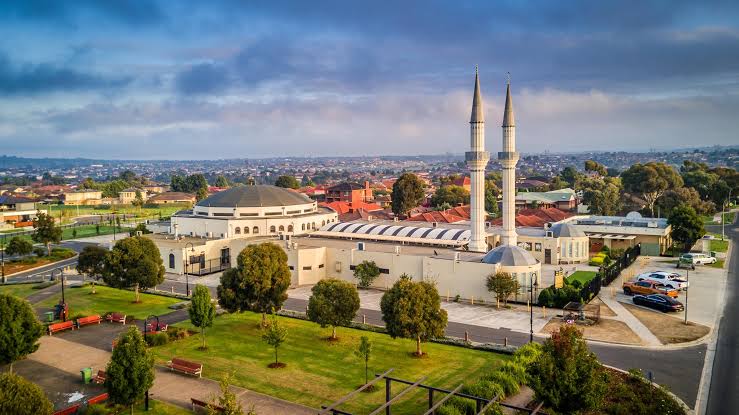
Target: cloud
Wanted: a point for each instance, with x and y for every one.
(202, 78)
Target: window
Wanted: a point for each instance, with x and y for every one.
(171, 261)
(537, 247)
(246, 230)
(303, 226)
(384, 271)
(272, 213)
(577, 249)
(308, 268)
(272, 229)
(292, 268)
(320, 265)
(352, 267)
(237, 230)
(282, 228)
(290, 228)
(255, 230)
(323, 223)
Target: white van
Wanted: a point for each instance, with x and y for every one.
(697, 259)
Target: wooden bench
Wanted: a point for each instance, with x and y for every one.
(97, 399)
(184, 366)
(100, 377)
(197, 404)
(116, 318)
(156, 327)
(68, 411)
(83, 321)
(53, 328)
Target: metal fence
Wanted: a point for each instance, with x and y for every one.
(612, 271)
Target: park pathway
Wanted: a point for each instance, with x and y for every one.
(634, 324)
(169, 387)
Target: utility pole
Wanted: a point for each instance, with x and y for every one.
(687, 288)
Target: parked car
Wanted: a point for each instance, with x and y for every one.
(668, 279)
(648, 287)
(698, 259)
(659, 302)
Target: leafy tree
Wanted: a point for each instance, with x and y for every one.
(557, 183)
(602, 196)
(221, 181)
(567, 376)
(687, 196)
(127, 176)
(134, 262)
(21, 397)
(687, 227)
(288, 182)
(407, 193)
(201, 193)
(306, 181)
(366, 272)
(130, 372)
(594, 166)
(19, 329)
(650, 181)
(113, 188)
(491, 197)
(570, 175)
(413, 310)
(228, 400)
(333, 303)
(88, 183)
(274, 335)
(259, 283)
(138, 200)
(452, 195)
(91, 262)
(18, 246)
(202, 311)
(503, 285)
(141, 227)
(364, 350)
(46, 231)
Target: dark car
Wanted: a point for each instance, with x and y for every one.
(659, 302)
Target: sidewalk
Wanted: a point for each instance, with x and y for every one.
(634, 324)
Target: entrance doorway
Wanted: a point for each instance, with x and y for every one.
(547, 256)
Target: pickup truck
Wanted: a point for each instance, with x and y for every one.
(648, 287)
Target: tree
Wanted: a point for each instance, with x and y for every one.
(453, 195)
(21, 397)
(366, 272)
(202, 311)
(91, 262)
(567, 376)
(288, 182)
(274, 335)
(127, 176)
(413, 310)
(333, 303)
(138, 200)
(19, 246)
(259, 282)
(201, 193)
(650, 181)
(46, 231)
(503, 285)
(407, 193)
(19, 329)
(594, 166)
(134, 262)
(602, 196)
(570, 175)
(141, 227)
(491, 197)
(364, 350)
(687, 196)
(221, 181)
(306, 181)
(228, 400)
(130, 372)
(687, 227)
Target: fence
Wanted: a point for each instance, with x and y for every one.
(612, 271)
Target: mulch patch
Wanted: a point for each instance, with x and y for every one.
(278, 365)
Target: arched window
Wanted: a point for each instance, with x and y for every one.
(290, 228)
(272, 229)
(303, 226)
(238, 230)
(255, 230)
(314, 225)
(171, 261)
(282, 228)
(323, 223)
(246, 230)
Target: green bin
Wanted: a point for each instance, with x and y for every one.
(86, 375)
(49, 316)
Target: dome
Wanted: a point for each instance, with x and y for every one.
(510, 256)
(255, 196)
(566, 230)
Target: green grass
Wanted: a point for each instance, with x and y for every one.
(320, 372)
(159, 408)
(728, 218)
(18, 290)
(583, 276)
(107, 299)
(86, 231)
(719, 246)
(718, 264)
(69, 212)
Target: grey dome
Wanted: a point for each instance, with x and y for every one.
(255, 196)
(566, 230)
(511, 256)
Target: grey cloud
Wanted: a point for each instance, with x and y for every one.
(202, 78)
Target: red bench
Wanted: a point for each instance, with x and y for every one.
(68, 411)
(100, 377)
(197, 404)
(83, 321)
(155, 327)
(97, 399)
(190, 368)
(116, 318)
(53, 328)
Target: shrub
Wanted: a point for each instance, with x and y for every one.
(484, 389)
(448, 409)
(158, 339)
(515, 370)
(462, 405)
(39, 251)
(43, 285)
(509, 384)
(366, 272)
(574, 284)
(546, 297)
(177, 333)
(527, 353)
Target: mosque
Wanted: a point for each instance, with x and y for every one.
(457, 257)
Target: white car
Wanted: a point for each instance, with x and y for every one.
(668, 279)
(697, 259)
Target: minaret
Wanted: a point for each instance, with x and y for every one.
(508, 159)
(477, 159)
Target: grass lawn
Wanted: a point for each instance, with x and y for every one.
(18, 290)
(86, 231)
(159, 408)
(107, 299)
(718, 264)
(718, 245)
(320, 372)
(143, 212)
(583, 276)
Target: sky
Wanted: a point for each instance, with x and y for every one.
(249, 79)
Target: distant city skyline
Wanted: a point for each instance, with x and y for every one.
(223, 80)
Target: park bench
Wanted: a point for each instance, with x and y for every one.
(156, 327)
(97, 399)
(116, 318)
(100, 377)
(198, 405)
(83, 321)
(53, 328)
(184, 366)
(68, 411)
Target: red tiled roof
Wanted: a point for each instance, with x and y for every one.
(346, 207)
(462, 181)
(536, 218)
(455, 214)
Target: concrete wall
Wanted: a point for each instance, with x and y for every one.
(257, 227)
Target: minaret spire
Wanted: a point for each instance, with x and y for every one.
(477, 159)
(508, 160)
(508, 118)
(478, 115)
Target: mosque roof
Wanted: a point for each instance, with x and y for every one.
(510, 256)
(566, 230)
(255, 196)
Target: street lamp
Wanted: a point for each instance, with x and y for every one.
(534, 283)
(723, 221)
(187, 276)
(687, 288)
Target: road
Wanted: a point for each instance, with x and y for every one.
(723, 393)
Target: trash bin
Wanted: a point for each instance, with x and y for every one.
(49, 316)
(86, 375)
(713, 254)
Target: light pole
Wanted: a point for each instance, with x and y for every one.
(687, 288)
(534, 283)
(723, 221)
(187, 276)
